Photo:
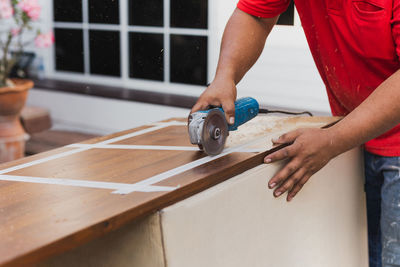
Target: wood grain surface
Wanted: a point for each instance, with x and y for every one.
(41, 220)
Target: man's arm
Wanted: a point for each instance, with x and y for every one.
(242, 43)
(313, 148)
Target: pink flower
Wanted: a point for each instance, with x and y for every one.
(6, 10)
(44, 40)
(15, 31)
(31, 8)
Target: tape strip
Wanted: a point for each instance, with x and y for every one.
(168, 174)
(172, 123)
(150, 147)
(130, 135)
(71, 152)
(121, 188)
(85, 183)
(42, 160)
(133, 147)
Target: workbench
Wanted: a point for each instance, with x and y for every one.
(147, 197)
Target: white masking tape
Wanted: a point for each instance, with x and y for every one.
(122, 188)
(135, 147)
(168, 174)
(172, 123)
(71, 152)
(84, 183)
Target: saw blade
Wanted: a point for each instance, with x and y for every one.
(215, 132)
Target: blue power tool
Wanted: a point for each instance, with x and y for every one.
(208, 128)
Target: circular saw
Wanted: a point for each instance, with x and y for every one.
(209, 129)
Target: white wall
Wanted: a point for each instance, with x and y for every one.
(99, 115)
(285, 76)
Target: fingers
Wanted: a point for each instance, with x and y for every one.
(200, 105)
(221, 93)
(293, 184)
(290, 182)
(229, 109)
(227, 106)
(284, 153)
(287, 137)
(308, 153)
(284, 175)
(299, 185)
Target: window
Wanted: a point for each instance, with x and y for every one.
(105, 11)
(69, 49)
(146, 56)
(146, 13)
(104, 52)
(67, 11)
(164, 41)
(188, 59)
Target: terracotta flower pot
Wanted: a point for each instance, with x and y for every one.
(12, 134)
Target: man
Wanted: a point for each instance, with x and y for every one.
(355, 45)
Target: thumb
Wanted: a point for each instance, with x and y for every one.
(229, 109)
(286, 138)
(200, 105)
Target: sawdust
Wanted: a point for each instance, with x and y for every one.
(271, 127)
(257, 127)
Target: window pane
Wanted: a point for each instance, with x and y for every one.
(189, 59)
(69, 49)
(146, 56)
(189, 13)
(105, 52)
(104, 11)
(287, 17)
(67, 10)
(146, 12)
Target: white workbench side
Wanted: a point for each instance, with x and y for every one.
(240, 223)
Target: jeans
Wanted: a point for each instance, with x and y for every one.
(382, 188)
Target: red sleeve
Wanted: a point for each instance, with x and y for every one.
(396, 25)
(263, 8)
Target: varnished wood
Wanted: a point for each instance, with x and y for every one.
(173, 136)
(51, 139)
(39, 220)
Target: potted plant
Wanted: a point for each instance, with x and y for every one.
(17, 16)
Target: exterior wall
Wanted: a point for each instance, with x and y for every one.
(285, 76)
(99, 115)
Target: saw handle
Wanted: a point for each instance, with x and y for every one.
(245, 109)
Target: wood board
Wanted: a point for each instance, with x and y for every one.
(39, 219)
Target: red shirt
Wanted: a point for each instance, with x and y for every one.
(355, 45)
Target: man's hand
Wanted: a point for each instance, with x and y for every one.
(242, 43)
(311, 150)
(219, 93)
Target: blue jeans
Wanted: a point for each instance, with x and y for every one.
(382, 187)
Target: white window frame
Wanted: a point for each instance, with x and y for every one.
(219, 12)
(124, 28)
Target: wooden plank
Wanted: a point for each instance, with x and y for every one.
(173, 136)
(51, 139)
(41, 220)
